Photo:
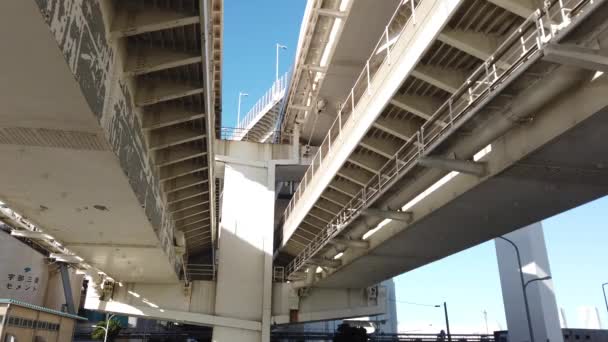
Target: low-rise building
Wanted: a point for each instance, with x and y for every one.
(21, 321)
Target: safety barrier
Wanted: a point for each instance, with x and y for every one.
(200, 271)
(242, 134)
(266, 102)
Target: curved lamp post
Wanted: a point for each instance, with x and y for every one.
(524, 285)
(107, 327)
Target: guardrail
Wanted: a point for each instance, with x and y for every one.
(402, 337)
(278, 274)
(84, 334)
(380, 54)
(520, 48)
(200, 271)
(429, 338)
(242, 134)
(266, 102)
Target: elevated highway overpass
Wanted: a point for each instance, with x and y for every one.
(485, 93)
(335, 40)
(108, 118)
(467, 119)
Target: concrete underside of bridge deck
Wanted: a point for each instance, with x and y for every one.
(366, 22)
(72, 159)
(541, 168)
(195, 304)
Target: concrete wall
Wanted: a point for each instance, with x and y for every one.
(329, 326)
(64, 334)
(23, 271)
(200, 297)
(168, 302)
(21, 334)
(321, 304)
(26, 276)
(66, 329)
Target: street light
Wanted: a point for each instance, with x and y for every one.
(536, 279)
(283, 47)
(445, 311)
(238, 115)
(524, 285)
(485, 318)
(107, 327)
(447, 319)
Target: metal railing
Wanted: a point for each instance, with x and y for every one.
(384, 337)
(83, 333)
(266, 102)
(409, 337)
(200, 271)
(242, 134)
(278, 274)
(283, 106)
(519, 49)
(362, 86)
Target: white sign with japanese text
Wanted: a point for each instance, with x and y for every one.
(23, 272)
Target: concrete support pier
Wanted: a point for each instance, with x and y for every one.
(244, 279)
(541, 297)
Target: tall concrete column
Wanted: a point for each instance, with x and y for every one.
(244, 279)
(541, 296)
(392, 323)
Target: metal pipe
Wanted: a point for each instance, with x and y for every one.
(67, 288)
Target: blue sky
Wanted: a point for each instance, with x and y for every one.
(575, 239)
(576, 245)
(251, 31)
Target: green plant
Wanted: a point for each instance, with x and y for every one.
(113, 327)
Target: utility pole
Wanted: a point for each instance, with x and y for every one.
(447, 321)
